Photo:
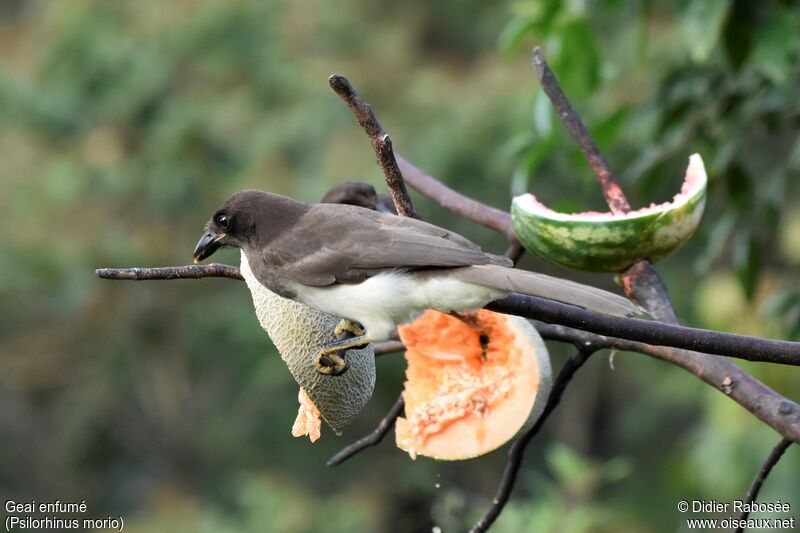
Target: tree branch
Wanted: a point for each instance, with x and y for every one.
(778, 412)
(211, 270)
(374, 438)
(771, 460)
(380, 141)
(386, 347)
(641, 282)
(651, 331)
(566, 113)
(517, 449)
(456, 202)
(647, 331)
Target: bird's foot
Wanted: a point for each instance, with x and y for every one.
(348, 326)
(331, 357)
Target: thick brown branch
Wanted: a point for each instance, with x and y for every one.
(778, 412)
(647, 331)
(374, 438)
(380, 141)
(517, 449)
(650, 331)
(771, 460)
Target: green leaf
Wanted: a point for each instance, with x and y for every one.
(717, 239)
(747, 264)
(607, 131)
(578, 64)
(701, 25)
(517, 29)
(542, 114)
(776, 45)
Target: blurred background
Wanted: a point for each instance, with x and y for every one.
(124, 124)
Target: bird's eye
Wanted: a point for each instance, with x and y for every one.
(223, 221)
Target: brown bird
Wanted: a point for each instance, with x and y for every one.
(374, 270)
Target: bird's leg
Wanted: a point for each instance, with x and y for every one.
(350, 326)
(330, 359)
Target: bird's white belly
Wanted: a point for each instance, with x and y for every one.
(391, 298)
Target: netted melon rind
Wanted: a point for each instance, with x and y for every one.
(298, 332)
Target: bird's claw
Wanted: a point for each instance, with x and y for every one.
(331, 358)
(331, 363)
(348, 326)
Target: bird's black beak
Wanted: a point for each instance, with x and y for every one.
(207, 245)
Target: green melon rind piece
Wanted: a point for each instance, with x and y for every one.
(604, 242)
(298, 333)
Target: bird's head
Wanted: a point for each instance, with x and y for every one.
(233, 224)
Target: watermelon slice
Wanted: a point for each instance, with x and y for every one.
(605, 242)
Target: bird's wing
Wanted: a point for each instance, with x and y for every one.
(342, 243)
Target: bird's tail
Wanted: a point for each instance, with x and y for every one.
(534, 284)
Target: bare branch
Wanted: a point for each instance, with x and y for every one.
(517, 449)
(381, 143)
(646, 331)
(651, 331)
(386, 347)
(643, 284)
(211, 270)
(611, 189)
(374, 438)
(778, 412)
(456, 202)
(771, 460)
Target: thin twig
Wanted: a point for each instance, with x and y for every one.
(385, 347)
(517, 449)
(611, 189)
(211, 270)
(456, 202)
(771, 460)
(380, 141)
(377, 435)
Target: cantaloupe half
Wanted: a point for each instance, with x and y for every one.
(470, 388)
(298, 333)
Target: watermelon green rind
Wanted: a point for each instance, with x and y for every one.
(604, 242)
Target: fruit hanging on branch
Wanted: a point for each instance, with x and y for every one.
(472, 384)
(608, 242)
(298, 333)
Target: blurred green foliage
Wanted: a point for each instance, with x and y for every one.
(123, 124)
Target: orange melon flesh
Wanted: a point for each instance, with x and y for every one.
(309, 420)
(464, 399)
